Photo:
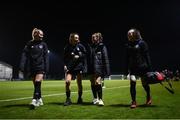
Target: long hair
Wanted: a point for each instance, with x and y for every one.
(135, 32)
(39, 32)
(99, 37)
(71, 37)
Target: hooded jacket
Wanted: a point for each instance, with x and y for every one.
(72, 63)
(99, 61)
(35, 57)
(138, 57)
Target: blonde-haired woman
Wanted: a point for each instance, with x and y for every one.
(35, 58)
(99, 66)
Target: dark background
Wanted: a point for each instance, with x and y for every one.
(158, 21)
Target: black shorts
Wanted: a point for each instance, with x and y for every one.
(74, 73)
(33, 73)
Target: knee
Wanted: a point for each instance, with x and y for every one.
(97, 82)
(68, 82)
(144, 84)
(133, 83)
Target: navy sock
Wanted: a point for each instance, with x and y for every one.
(99, 91)
(68, 93)
(37, 90)
(93, 88)
(147, 89)
(133, 90)
(79, 94)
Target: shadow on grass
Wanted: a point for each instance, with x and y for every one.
(21, 105)
(16, 105)
(87, 103)
(54, 103)
(120, 105)
(128, 105)
(58, 103)
(144, 105)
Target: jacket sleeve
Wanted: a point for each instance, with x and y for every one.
(145, 52)
(82, 53)
(106, 61)
(65, 55)
(24, 58)
(46, 58)
(127, 60)
(83, 57)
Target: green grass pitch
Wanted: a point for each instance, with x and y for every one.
(16, 96)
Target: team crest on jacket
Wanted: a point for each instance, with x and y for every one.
(78, 49)
(137, 46)
(40, 46)
(98, 52)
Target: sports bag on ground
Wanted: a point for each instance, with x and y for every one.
(158, 77)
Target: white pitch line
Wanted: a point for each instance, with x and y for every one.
(17, 99)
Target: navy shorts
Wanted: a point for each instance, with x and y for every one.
(74, 73)
(33, 73)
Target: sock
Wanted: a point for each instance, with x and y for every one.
(99, 91)
(68, 93)
(93, 88)
(133, 90)
(79, 94)
(147, 89)
(37, 90)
